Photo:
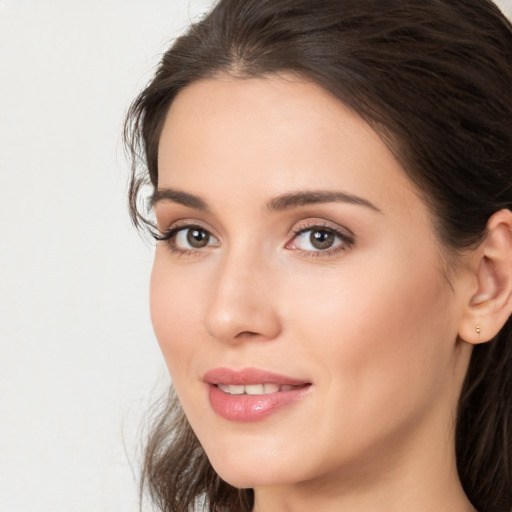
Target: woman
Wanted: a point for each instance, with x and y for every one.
(332, 284)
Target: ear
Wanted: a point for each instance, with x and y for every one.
(490, 299)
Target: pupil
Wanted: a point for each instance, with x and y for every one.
(197, 237)
(321, 239)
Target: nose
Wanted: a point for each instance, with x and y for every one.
(241, 305)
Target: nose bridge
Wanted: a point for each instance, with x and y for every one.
(240, 303)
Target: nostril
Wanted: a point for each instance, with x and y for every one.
(246, 334)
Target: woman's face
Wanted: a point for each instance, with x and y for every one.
(301, 302)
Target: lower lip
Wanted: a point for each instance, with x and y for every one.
(248, 408)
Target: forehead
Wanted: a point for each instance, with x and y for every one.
(261, 137)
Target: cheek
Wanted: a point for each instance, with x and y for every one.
(174, 306)
(382, 340)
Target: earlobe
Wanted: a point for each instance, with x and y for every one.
(490, 305)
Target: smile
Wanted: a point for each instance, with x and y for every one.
(254, 389)
(249, 394)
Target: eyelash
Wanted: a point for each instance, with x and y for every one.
(169, 235)
(346, 240)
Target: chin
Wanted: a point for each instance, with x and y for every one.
(249, 470)
(246, 478)
(239, 482)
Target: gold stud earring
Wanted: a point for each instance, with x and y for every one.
(477, 329)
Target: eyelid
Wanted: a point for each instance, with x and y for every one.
(345, 235)
(182, 224)
(168, 235)
(319, 223)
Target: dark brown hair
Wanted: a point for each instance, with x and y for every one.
(434, 79)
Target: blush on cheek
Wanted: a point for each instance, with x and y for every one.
(164, 315)
(388, 344)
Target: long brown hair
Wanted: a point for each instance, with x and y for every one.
(434, 79)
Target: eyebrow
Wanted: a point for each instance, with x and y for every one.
(295, 199)
(177, 196)
(280, 203)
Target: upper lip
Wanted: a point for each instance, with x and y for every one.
(248, 376)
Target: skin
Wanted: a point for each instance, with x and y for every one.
(371, 322)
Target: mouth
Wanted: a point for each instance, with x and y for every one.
(256, 389)
(250, 394)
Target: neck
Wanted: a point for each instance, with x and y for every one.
(443, 497)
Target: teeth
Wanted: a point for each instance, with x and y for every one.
(236, 390)
(270, 388)
(223, 387)
(253, 389)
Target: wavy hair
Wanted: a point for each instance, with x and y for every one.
(434, 79)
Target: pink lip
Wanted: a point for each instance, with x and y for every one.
(246, 376)
(249, 408)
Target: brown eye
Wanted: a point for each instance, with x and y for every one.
(192, 238)
(322, 239)
(197, 238)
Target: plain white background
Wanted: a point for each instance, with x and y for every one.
(78, 359)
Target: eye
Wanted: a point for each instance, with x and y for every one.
(192, 238)
(319, 239)
(182, 239)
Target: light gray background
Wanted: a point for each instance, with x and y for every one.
(78, 360)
